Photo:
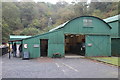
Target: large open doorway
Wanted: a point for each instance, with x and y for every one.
(43, 47)
(74, 44)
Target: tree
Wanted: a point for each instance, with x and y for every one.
(119, 7)
(26, 12)
(10, 20)
(97, 13)
(30, 31)
(107, 8)
(11, 15)
(30, 18)
(5, 32)
(80, 9)
(35, 23)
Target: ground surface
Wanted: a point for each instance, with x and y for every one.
(56, 68)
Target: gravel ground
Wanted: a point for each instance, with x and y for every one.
(56, 68)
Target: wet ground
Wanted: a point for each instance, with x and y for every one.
(56, 68)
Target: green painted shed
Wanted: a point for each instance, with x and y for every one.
(114, 22)
(90, 32)
(16, 39)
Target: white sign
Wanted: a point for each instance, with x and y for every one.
(89, 44)
(25, 45)
(36, 45)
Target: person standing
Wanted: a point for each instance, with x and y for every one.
(14, 50)
(20, 50)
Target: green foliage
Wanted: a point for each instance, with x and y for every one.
(11, 15)
(30, 31)
(97, 13)
(30, 18)
(35, 23)
(81, 9)
(103, 9)
(5, 32)
(119, 7)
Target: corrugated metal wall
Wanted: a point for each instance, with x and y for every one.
(56, 38)
(115, 37)
(119, 27)
(98, 45)
(30, 44)
(115, 46)
(56, 43)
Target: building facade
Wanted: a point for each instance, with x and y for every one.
(85, 35)
(114, 22)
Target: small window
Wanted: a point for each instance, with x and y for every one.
(87, 22)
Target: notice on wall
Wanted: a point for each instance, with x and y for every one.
(89, 44)
(36, 45)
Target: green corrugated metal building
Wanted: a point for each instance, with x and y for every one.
(67, 39)
(114, 22)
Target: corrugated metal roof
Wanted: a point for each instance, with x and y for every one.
(60, 26)
(111, 19)
(17, 37)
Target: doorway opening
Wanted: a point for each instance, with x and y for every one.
(74, 44)
(43, 47)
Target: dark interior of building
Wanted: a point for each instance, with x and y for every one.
(44, 47)
(74, 44)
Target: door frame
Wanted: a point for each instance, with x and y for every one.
(74, 34)
(41, 48)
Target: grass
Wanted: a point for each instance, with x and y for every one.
(110, 60)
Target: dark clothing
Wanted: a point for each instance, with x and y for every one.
(14, 49)
(20, 48)
(82, 46)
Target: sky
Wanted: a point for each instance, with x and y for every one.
(69, 1)
(54, 1)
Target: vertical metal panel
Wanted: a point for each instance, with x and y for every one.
(56, 43)
(56, 37)
(115, 46)
(100, 45)
(55, 48)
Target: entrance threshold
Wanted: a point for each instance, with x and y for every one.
(74, 56)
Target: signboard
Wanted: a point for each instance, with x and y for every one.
(25, 45)
(89, 44)
(36, 45)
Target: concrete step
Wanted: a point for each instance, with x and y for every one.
(74, 56)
